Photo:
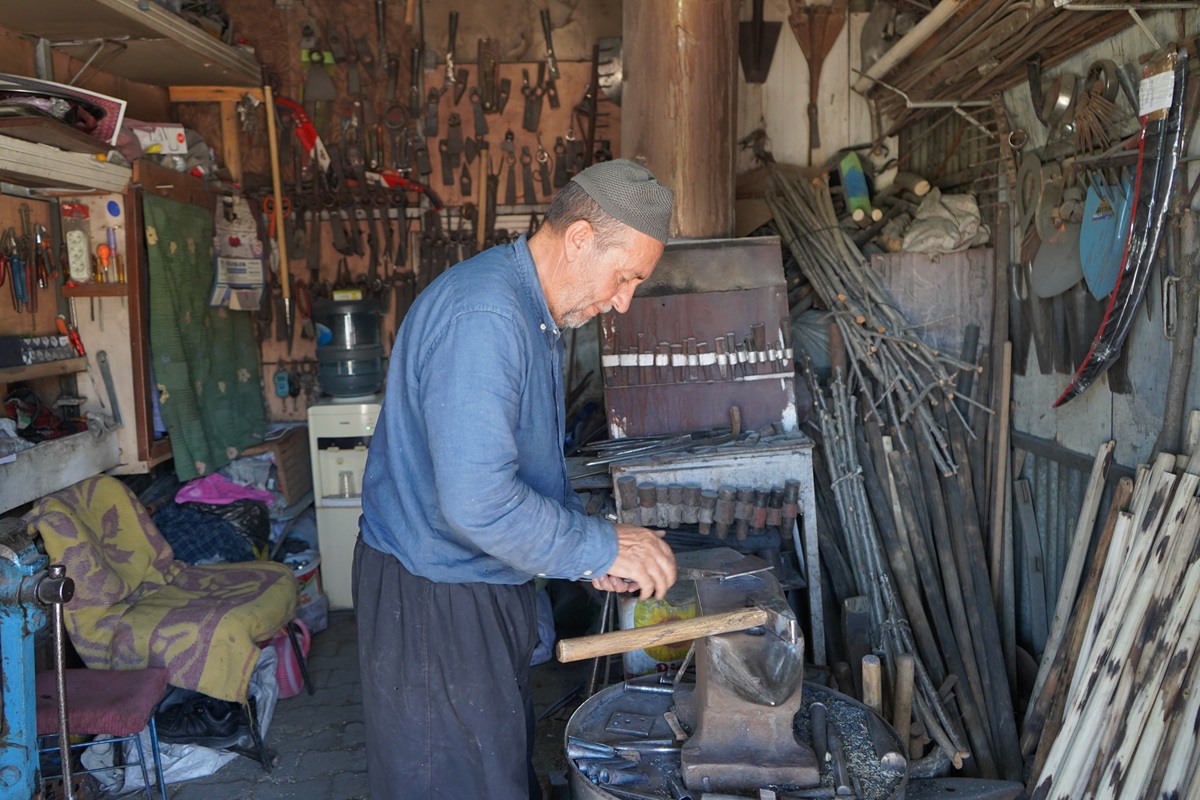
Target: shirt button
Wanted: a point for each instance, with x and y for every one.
(541, 574)
(556, 330)
(587, 572)
(543, 326)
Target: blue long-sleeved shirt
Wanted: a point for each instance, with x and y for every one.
(465, 478)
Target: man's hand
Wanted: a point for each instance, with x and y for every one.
(644, 561)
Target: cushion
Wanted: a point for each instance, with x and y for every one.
(99, 701)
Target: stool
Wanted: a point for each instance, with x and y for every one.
(118, 703)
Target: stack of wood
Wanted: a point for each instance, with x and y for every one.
(1115, 709)
(904, 371)
(909, 537)
(893, 211)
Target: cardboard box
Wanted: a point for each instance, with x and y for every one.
(292, 465)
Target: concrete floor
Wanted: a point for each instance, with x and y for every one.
(319, 737)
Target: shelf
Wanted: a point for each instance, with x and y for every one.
(96, 290)
(161, 48)
(51, 132)
(39, 166)
(55, 465)
(67, 366)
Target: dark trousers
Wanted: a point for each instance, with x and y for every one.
(445, 683)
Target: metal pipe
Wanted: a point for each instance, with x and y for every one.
(58, 573)
(902, 49)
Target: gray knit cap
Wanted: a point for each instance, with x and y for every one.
(630, 194)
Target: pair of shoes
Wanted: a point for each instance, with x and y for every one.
(204, 721)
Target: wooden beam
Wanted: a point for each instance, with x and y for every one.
(231, 146)
(212, 94)
(228, 97)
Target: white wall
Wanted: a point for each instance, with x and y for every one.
(781, 104)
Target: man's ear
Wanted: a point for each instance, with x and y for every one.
(577, 239)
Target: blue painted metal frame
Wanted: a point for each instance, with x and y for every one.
(21, 616)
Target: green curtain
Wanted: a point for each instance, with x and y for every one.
(205, 359)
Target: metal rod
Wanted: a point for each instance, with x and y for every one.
(604, 614)
(58, 571)
(1069, 6)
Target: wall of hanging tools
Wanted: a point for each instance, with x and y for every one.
(1072, 184)
(487, 155)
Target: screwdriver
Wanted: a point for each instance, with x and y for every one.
(67, 330)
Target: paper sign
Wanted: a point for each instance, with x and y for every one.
(168, 138)
(1155, 93)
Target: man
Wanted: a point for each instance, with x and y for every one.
(466, 496)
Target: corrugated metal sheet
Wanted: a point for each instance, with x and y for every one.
(1058, 485)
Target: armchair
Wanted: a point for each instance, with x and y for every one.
(137, 606)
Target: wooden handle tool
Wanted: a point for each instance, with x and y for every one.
(604, 644)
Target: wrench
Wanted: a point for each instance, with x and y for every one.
(530, 191)
(481, 125)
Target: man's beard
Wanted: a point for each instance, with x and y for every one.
(577, 317)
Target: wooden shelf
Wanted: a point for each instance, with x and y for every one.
(40, 166)
(31, 372)
(96, 290)
(54, 465)
(52, 132)
(161, 48)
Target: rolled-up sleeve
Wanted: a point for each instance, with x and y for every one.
(472, 410)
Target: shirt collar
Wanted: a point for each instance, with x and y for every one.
(527, 272)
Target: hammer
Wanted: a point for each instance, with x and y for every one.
(604, 644)
(719, 564)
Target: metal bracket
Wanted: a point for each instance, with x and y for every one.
(955, 105)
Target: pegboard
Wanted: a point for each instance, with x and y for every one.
(27, 323)
(554, 123)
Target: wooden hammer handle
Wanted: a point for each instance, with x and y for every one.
(604, 644)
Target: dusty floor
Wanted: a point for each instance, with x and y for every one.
(319, 737)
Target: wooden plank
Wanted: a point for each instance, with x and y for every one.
(902, 698)
(29, 372)
(1042, 729)
(51, 132)
(1000, 457)
(212, 94)
(1075, 563)
(882, 495)
(1034, 567)
(856, 628)
(54, 465)
(165, 182)
(872, 677)
(42, 166)
(96, 289)
(231, 147)
(981, 611)
(959, 648)
(1159, 558)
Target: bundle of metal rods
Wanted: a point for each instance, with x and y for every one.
(907, 374)
(913, 541)
(983, 48)
(874, 580)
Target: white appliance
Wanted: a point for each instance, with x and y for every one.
(339, 433)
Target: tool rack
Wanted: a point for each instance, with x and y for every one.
(762, 466)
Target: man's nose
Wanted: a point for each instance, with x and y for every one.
(622, 298)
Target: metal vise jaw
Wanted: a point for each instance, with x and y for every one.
(26, 588)
(749, 688)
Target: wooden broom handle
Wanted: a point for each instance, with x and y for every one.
(277, 193)
(605, 644)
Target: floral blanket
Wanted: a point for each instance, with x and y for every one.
(136, 606)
